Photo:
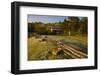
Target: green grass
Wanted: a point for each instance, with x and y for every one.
(76, 39)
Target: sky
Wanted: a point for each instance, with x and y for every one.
(46, 18)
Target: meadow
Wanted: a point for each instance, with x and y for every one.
(39, 49)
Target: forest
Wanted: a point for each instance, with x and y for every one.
(69, 27)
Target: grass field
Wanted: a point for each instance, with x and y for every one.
(45, 50)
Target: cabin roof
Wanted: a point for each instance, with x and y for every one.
(55, 27)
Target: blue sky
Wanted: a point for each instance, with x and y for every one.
(46, 18)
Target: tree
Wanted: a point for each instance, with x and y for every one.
(31, 27)
(73, 25)
(65, 26)
(83, 26)
(40, 28)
